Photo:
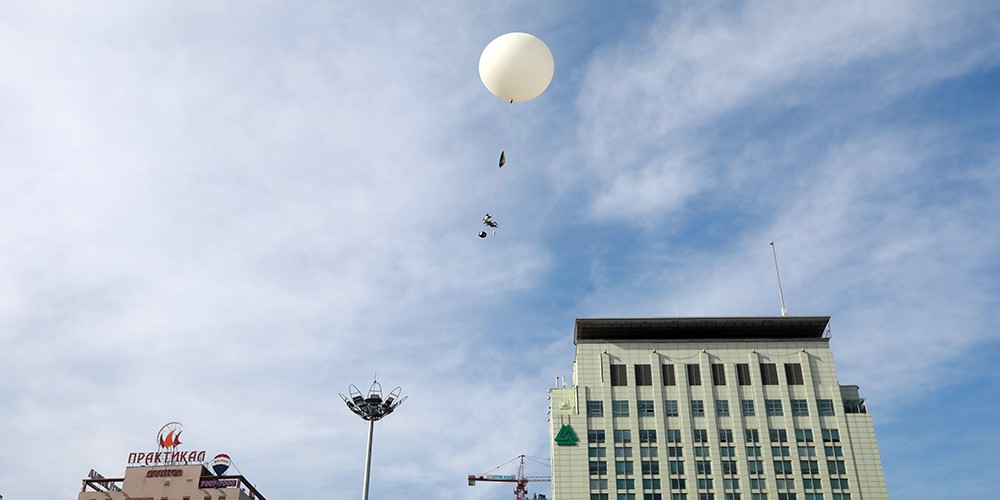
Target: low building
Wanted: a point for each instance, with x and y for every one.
(169, 482)
(170, 473)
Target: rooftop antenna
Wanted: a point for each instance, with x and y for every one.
(784, 312)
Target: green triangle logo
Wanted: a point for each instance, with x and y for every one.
(566, 436)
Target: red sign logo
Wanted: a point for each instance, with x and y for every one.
(169, 435)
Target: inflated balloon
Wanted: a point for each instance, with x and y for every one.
(516, 67)
(221, 463)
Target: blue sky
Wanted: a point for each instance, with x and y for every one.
(224, 214)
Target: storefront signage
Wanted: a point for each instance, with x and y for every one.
(218, 483)
(165, 473)
(169, 438)
(566, 436)
(107, 485)
(166, 458)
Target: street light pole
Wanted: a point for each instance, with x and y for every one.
(368, 460)
(371, 408)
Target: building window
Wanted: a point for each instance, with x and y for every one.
(645, 452)
(807, 451)
(836, 467)
(769, 374)
(743, 373)
(702, 467)
(598, 484)
(809, 466)
(800, 408)
(753, 451)
(619, 375)
(599, 496)
(831, 436)
(597, 452)
(728, 451)
(747, 407)
(773, 407)
(676, 467)
(781, 451)
(650, 484)
(619, 408)
(652, 496)
(725, 435)
(704, 484)
(833, 451)
(650, 467)
(595, 436)
(752, 436)
(643, 375)
(624, 467)
(623, 436)
(702, 451)
(804, 435)
(625, 484)
(623, 452)
(722, 407)
(700, 435)
(718, 374)
(644, 407)
(675, 451)
(786, 484)
(647, 435)
(729, 468)
(793, 374)
(598, 467)
(825, 407)
(673, 435)
(756, 467)
(697, 408)
(838, 484)
(694, 374)
(778, 435)
(668, 375)
(782, 466)
(595, 408)
(671, 407)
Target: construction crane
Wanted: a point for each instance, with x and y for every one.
(521, 488)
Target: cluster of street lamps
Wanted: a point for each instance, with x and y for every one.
(371, 408)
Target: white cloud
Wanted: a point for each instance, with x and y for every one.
(225, 214)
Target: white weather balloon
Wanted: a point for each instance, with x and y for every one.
(516, 67)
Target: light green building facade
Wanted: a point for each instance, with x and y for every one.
(710, 409)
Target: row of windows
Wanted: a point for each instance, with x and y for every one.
(708, 484)
(768, 374)
(772, 408)
(725, 436)
(725, 451)
(730, 467)
(726, 496)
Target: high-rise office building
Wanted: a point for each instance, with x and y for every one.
(744, 408)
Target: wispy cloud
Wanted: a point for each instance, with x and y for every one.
(226, 214)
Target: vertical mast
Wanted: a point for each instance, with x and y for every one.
(784, 312)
